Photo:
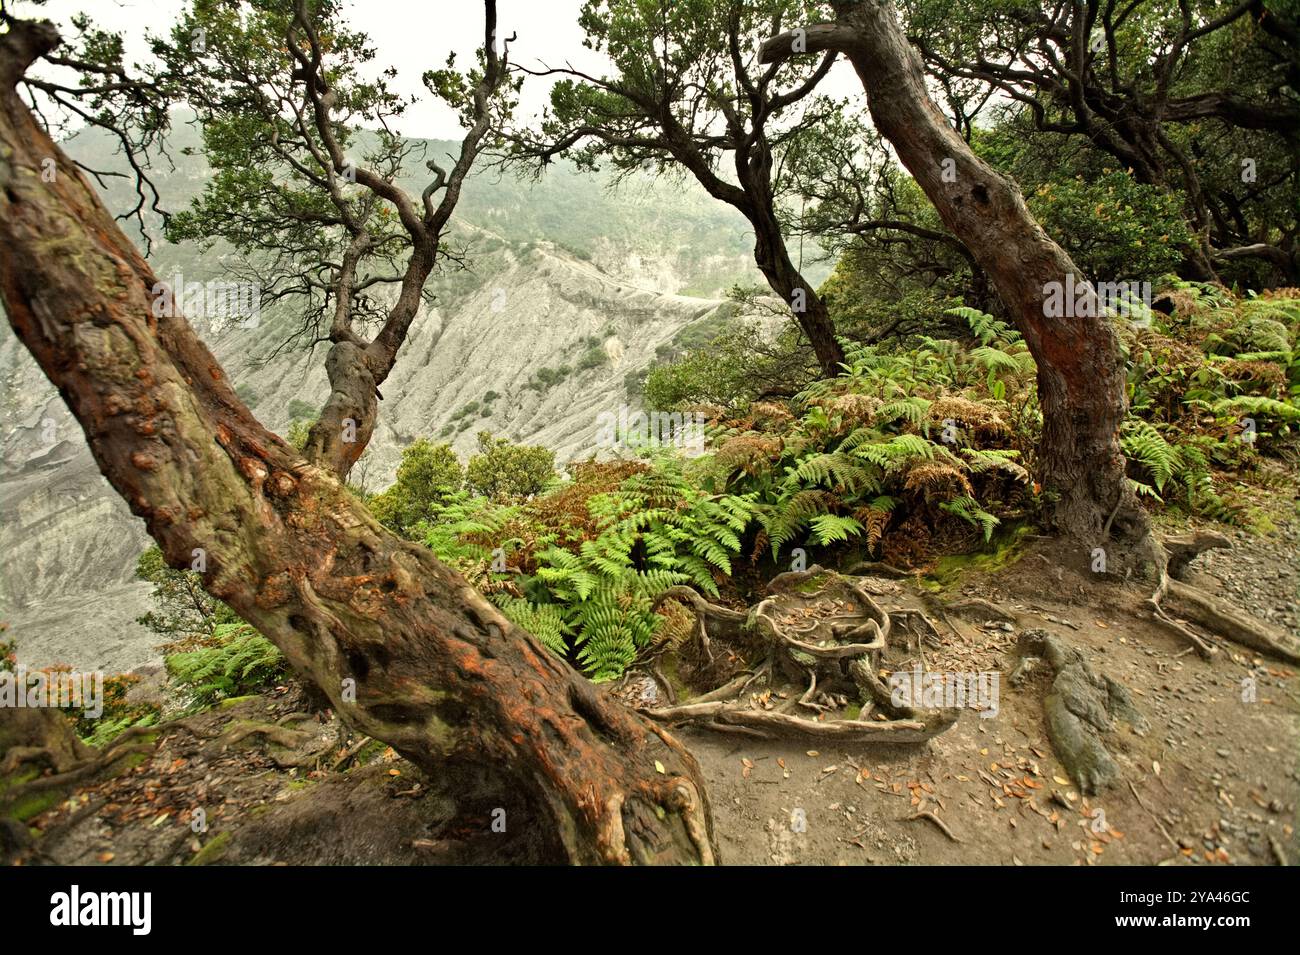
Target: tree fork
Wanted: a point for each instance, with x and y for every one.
(439, 673)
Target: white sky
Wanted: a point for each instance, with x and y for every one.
(413, 36)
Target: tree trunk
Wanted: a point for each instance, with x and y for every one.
(1081, 376)
(340, 435)
(788, 282)
(436, 670)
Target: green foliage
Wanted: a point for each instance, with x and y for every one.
(427, 476)
(1147, 448)
(586, 590)
(464, 530)
(503, 470)
(732, 368)
(183, 607)
(594, 357)
(299, 432)
(1114, 227)
(901, 433)
(546, 378)
(118, 715)
(914, 451)
(236, 661)
(1202, 402)
(655, 531)
(300, 410)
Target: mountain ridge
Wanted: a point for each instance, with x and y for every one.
(534, 298)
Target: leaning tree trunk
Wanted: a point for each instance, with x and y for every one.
(437, 671)
(1081, 378)
(786, 280)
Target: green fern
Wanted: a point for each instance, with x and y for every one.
(831, 528)
(240, 661)
(969, 510)
(1142, 443)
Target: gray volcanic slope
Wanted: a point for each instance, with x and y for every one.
(557, 269)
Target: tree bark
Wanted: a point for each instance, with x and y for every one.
(1081, 375)
(809, 308)
(438, 672)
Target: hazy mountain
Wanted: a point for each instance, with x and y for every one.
(571, 289)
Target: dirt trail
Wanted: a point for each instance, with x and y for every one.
(1214, 777)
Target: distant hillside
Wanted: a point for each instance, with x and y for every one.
(571, 288)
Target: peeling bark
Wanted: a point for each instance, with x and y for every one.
(438, 672)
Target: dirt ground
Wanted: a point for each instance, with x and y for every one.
(1212, 781)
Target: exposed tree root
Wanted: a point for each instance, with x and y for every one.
(295, 746)
(1209, 612)
(781, 725)
(1206, 650)
(823, 631)
(1173, 558)
(68, 774)
(1080, 707)
(989, 611)
(875, 568)
(928, 816)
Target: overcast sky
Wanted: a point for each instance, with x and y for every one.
(412, 35)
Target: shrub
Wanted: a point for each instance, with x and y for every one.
(428, 473)
(300, 410)
(235, 661)
(503, 470)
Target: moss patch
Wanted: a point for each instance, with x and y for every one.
(1004, 551)
(212, 852)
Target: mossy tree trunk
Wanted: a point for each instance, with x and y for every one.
(1081, 375)
(438, 672)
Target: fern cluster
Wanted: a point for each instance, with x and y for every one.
(896, 428)
(932, 440)
(237, 660)
(1214, 387)
(590, 597)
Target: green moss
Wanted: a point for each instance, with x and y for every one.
(371, 750)
(32, 805)
(668, 666)
(132, 760)
(812, 584)
(214, 850)
(235, 701)
(1001, 553)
